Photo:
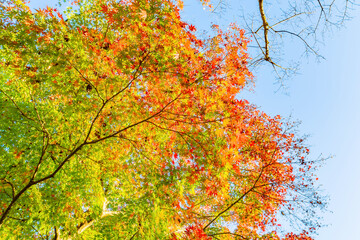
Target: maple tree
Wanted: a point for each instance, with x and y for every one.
(118, 122)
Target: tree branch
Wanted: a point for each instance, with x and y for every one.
(265, 25)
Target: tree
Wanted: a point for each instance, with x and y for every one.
(117, 122)
(277, 26)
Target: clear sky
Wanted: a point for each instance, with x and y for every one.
(325, 96)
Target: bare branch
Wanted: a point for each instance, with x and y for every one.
(265, 26)
(302, 39)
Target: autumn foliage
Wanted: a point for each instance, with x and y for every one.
(118, 122)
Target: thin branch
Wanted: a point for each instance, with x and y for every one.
(12, 187)
(282, 21)
(88, 82)
(181, 135)
(134, 124)
(17, 107)
(302, 39)
(132, 237)
(234, 203)
(115, 95)
(322, 9)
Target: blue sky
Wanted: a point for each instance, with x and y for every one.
(325, 96)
